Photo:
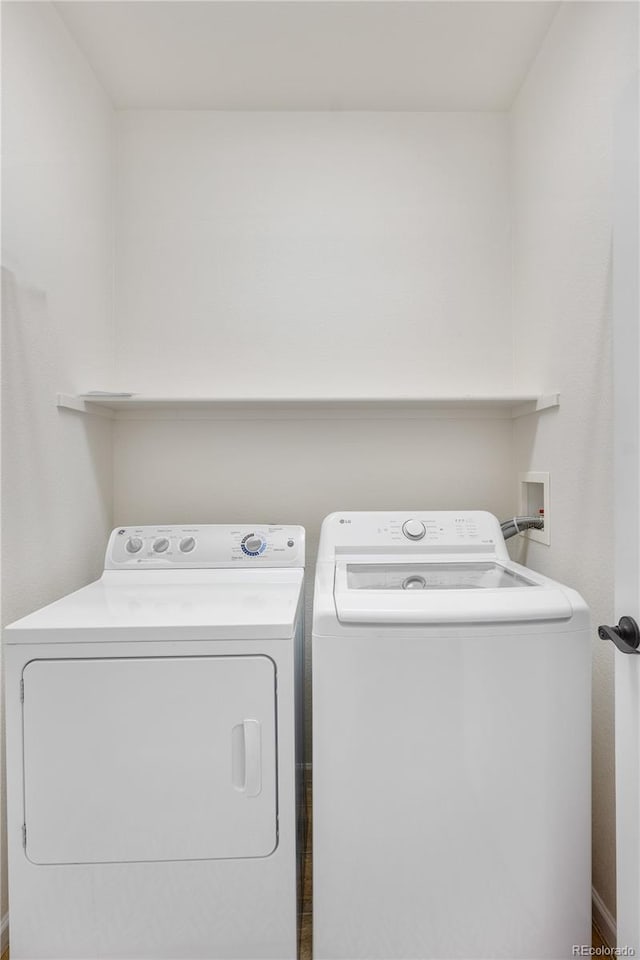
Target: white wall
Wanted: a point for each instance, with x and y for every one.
(562, 125)
(57, 139)
(313, 253)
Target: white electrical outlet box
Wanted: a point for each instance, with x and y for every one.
(533, 501)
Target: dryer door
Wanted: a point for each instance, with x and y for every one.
(154, 758)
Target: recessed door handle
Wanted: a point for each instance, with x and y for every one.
(626, 635)
(246, 758)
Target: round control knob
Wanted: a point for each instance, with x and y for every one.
(187, 544)
(413, 529)
(160, 545)
(134, 545)
(253, 544)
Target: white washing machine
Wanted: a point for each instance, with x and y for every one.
(451, 745)
(154, 739)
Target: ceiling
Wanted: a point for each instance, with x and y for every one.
(310, 54)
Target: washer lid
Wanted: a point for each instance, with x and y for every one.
(444, 591)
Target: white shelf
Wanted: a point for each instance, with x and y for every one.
(140, 407)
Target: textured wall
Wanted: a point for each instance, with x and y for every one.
(562, 128)
(57, 132)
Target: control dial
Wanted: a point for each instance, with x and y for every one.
(187, 544)
(161, 545)
(134, 545)
(413, 529)
(253, 544)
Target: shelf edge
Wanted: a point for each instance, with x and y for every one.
(306, 408)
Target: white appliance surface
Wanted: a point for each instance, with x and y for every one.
(173, 604)
(451, 731)
(154, 752)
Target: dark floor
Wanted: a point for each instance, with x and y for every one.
(307, 887)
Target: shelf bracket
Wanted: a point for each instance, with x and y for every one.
(67, 401)
(546, 402)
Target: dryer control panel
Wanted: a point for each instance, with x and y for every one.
(205, 546)
(411, 532)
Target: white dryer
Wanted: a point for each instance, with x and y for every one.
(154, 737)
(451, 745)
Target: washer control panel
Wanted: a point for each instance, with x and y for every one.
(435, 532)
(206, 546)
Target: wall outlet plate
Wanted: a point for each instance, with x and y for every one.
(533, 497)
